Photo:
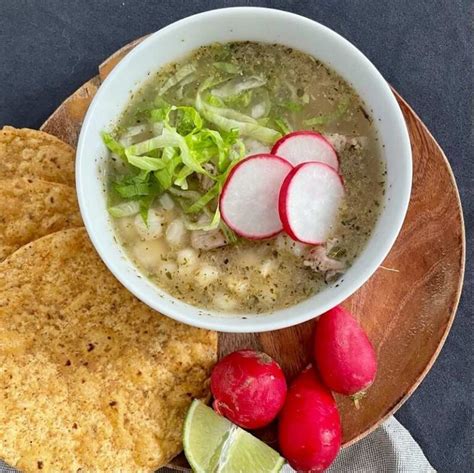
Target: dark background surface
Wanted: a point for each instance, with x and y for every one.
(48, 48)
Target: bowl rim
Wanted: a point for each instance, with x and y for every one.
(261, 322)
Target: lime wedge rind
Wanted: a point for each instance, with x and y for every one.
(209, 458)
(212, 444)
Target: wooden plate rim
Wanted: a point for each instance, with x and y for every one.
(115, 57)
(453, 309)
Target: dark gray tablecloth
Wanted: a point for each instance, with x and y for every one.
(424, 48)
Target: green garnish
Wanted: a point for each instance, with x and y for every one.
(113, 145)
(322, 120)
(227, 67)
(202, 138)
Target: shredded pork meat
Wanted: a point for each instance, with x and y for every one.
(342, 141)
(207, 240)
(318, 260)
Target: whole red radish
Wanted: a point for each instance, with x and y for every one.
(249, 388)
(344, 355)
(309, 431)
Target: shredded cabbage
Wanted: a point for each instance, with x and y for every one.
(228, 119)
(113, 145)
(321, 120)
(203, 138)
(237, 86)
(212, 225)
(125, 209)
(177, 78)
(227, 67)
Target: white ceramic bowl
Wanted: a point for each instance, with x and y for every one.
(235, 24)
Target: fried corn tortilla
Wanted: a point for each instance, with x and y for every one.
(31, 208)
(91, 379)
(35, 154)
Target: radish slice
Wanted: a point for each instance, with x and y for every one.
(249, 198)
(305, 146)
(310, 198)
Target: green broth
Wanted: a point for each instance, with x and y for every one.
(256, 276)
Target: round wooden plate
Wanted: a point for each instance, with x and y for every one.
(407, 307)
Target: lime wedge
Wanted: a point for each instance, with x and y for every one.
(212, 444)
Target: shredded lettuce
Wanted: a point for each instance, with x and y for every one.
(343, 105)
(203, 138)
(113, 145)
(292, 105)
(241, 100)
(169, 137)
(187, 194)
(125, 209)
(146, 163)
(171, 160)
(133, 186)
(145, 204)
(238, 85)
(251, 130)
(186, 119)
(321, 120)
(210, 195)
(215, 101)
(188, 80)
(229, 235)
(317, 122)
(228, 119)
(212, 225)
(305, 98)
(158, 115)
(283, 125)
(206, 108)
(222, 52)
(227, 67)
(261, 104)
(177, 77)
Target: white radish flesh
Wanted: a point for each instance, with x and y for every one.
(306, 146)
(310, 199)
(249, 199)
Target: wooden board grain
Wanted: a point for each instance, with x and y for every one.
(407, 307)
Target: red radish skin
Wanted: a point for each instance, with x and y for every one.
(344, 356)
(309, 430)
(249, 198)
(305, 146)
(309, 202)
(249, 388)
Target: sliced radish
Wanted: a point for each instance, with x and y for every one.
(310, 198)
(249, 198)
(305, 146)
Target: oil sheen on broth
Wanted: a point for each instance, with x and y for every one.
(299, 93)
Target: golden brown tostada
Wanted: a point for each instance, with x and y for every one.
(91, 378)
(32, 208)
(35, 154)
